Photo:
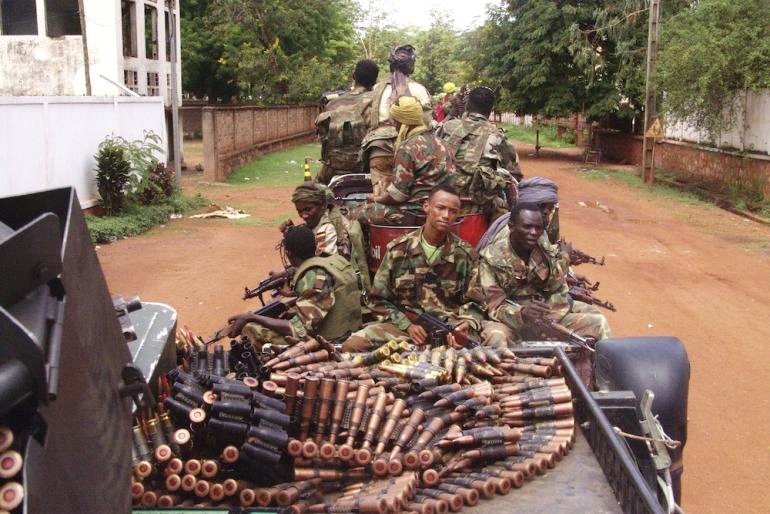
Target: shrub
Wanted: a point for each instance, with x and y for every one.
(158, 185)
(112, 174)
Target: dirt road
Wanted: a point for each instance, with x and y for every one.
(688, 270)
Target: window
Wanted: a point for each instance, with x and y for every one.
(62, 18)
(153, 84)
(150, 32)
(168, 36)
(128, 21)
(131, 80)
(19, 17)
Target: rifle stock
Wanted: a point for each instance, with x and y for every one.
(268, 284)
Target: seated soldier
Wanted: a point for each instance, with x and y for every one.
(334, 233)
(522, 281)
(480, 149)
(422, 161)
(427, 270)
(328, 298)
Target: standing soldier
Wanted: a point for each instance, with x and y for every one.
(427, 270)
(377, 147)
(481, 150)
(328, 299)
(344, 123)
(422, 161)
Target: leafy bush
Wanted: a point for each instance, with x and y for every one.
(158, 185)
(112, 174)
(138, 219)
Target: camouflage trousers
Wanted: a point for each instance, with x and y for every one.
(584, 319)
(373, 336)
(381, 173)
(259, 335)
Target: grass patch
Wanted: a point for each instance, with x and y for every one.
(137, 219)
(635, 181)
(278, 169)
(547, 136)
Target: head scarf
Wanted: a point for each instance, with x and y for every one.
(310, 193)
(538, 190)
(408, 112)
(402, 60)
(449, 88)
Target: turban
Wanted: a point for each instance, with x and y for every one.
(401, 55)
(408, 112)
(309, 193)
(538, 190)
(401, 61)
(449, 88)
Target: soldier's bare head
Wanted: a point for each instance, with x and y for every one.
(365, 73)
(441, 209)
(481, 100)
(526, 225)
(299, 244)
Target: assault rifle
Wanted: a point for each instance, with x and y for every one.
(268, 284)
(575, 280)
(576, 257)
(572, 337)
(273, 309)
(585, 296)
(438, 330)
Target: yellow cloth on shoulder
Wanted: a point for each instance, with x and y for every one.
(408, 112)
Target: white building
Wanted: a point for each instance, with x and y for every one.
(49, 129)
(41, 47)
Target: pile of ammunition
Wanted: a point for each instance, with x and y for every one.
(399, 428)
(11, 488)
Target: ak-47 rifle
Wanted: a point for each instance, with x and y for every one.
(587, 343)
(576, 257)
(268, 284)
(273, 309)
(438, 330)
(585, 296)
(581, 281)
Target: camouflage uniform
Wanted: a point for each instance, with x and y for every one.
(421, 163)
(332, 238)
(406, 280)
(502, 275)
(377, 146)
(338, 161)
(327, 303)
(479, 149)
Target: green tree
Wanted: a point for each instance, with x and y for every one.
(711, 54)
(438, 59)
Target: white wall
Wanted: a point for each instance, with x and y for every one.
(49, 142)
(750, 133)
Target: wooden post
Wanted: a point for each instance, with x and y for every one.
(650, 109)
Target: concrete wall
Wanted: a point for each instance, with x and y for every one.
(235, 135)
(48, 142)
(717, 167)
(53, 66)
(750, 133)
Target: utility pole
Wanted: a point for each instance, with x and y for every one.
(175, 133)
(650, 108)
(86, 66)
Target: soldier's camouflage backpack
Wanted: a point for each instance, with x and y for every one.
(341, 131)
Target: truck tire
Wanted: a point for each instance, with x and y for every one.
(659, 364)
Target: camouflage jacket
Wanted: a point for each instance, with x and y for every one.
(331, 238)
(324, 305)
(406, 280)
(421, 162)
(477, 145)
(505, 283)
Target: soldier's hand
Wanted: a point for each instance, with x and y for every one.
(285, 225)
(275, 273)
(534, 311)
(451, 340)
(236, 323)
(418, 334)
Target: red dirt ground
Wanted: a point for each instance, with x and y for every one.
(692, 271)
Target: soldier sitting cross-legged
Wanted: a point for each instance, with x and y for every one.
(427, 270)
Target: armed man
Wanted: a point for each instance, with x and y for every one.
(334, 233)
(522, 281)
(327, 297)
(377, 146)
(422, 161)
(425, 271)
(487, 164)
(344, 123)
